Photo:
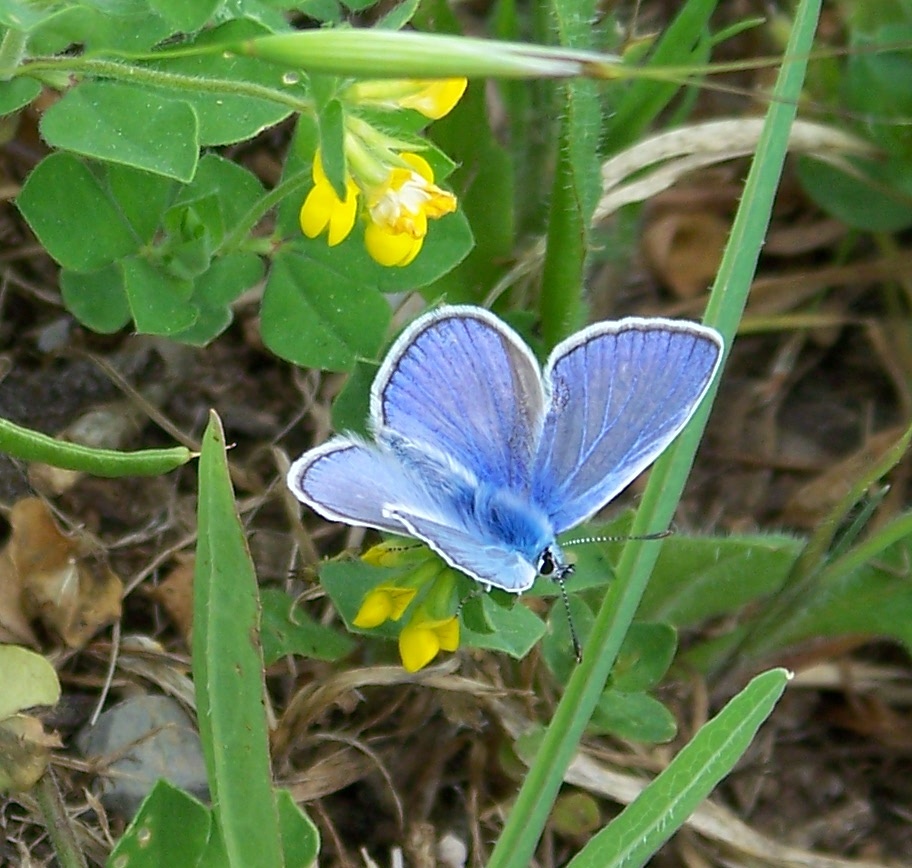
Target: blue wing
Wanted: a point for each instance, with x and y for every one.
(404, 492)
(619, 393)
(463, 383)
(488, 563)
(353, 482)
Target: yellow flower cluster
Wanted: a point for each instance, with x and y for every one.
(395, 190)
(428, 630)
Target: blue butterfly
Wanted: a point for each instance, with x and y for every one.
(486, 458)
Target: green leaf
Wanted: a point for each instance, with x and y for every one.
(213, 293)
(513, 631)
(347, 583)
(877, 67)
(300, 837)
(226, 117)
(645, 824)
(185, 14)
(26, 679)
(644, 657)
(400, 15)
(635, 716)
(210, 323)
(170, 828)
(287, 629)
(25, 15)
(697, 578)
(557, 647)
(17, 93)
(125, 26)
(97, 299)
(230, 187)
(359, 5)
(61, 186)
(474, 615)
(351, 409)
(227, 278)
(315, 316)
(865, 592)
(228, 670)
(121, 123)
(879, 200)
(141, 197)
(160, 304)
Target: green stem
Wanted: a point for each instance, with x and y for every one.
(57, 823)
(170, 80)
(530, 812)
(565, 257)
(245, 225)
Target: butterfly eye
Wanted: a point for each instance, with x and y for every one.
(546, 564)
(550, 567)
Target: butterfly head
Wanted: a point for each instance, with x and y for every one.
(551, 564)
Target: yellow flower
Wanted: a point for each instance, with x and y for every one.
(423, 638)
(383, 603)
(434, 98)
(323, 209)
(399, 209)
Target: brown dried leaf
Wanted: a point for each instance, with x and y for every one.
(14, 624)
(807, 506)
(175, 595)
(685, 249)
(73, 595)
(24, 751)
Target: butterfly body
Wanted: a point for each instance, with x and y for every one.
(487, 458)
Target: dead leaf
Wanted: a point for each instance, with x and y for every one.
(73, 595)
(24, 751)
(14, 624)
(685, 249)
(175, 595)
(807, 506)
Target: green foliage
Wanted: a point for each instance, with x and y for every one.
(874, 195)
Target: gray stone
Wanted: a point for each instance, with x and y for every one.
(144, 738)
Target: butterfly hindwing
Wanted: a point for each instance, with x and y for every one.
(619, 393)
(350, 481)
(462, 382)
(488, 563)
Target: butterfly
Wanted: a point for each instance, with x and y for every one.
(486, 457)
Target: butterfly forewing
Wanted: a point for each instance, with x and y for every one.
(619, 394)
(462, 382)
